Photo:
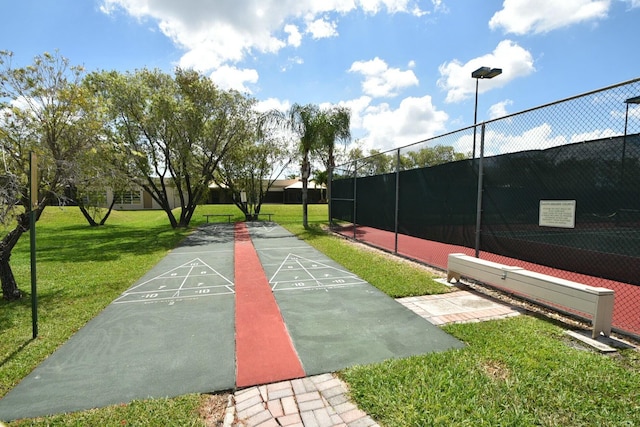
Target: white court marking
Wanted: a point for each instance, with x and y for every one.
(193, 279)
(299, 273)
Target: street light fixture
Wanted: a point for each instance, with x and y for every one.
(486, 73)
(481, 73)
(633, 100)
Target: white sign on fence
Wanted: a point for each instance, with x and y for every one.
(557, 213)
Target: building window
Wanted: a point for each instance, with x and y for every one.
(94, 198)
(128, 197)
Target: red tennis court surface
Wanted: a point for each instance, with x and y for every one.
(626, 316)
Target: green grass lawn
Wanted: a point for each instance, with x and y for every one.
(515, 372)
(520, 371)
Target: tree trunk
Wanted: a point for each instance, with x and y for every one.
(305, 184)
(10, 289)
(87, 216)
(305, 210)
(106, 216)
(328, 183)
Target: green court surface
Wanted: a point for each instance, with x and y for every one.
(173, 332)
(170, 334)
(335, 318)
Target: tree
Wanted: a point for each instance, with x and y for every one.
(334, 125)
(321, 178)
(92, 174)
(92, 179)
(317, 131)
(376, 163)
(303, 121)
(44, 110)
(430, 156)
(253, 166)
(170, 133)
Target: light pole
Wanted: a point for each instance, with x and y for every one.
(481, 73)
(634, 100)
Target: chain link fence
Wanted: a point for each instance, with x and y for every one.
(555, 189)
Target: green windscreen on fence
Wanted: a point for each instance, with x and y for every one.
(604, 240)
(439, 203)
(599, 180)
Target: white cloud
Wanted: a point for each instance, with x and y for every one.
(273, 104)
(295, 60)
(233, 78)
(382, 81)
(357, 107)
(541, 16)
(631, 115)
(320, 29)
(514, 60)
(499, 109)
(415, 119)
(23, 103)
(380, 126)
(537, 138)
(439, 6)
(217, 32)
(295, 38)
(633, 3)
(213, 33)
(595, 134)
(392, 6)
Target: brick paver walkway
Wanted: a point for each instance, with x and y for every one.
(458, 307)
(322, 400)
(317, 401)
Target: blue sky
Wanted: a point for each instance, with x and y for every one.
(402, 66)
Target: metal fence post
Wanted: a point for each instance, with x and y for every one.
(355, 199)
(395, 250)
(329, 179)
(479, 197)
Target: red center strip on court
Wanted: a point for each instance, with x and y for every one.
(264, 350)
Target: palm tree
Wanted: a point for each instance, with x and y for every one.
(317, 130)
(320, 179)
(303, 120)
(334, 125)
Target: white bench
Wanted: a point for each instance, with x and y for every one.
(597, 302)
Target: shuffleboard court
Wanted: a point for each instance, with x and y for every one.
(335, 318)
(221, 311)
(170, 334)
(264, 351)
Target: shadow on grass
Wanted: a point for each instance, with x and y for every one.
(10, 310)
(15, 324)
(313, 231)
(107, 243)
(15, 352)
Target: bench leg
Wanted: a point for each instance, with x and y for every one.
(453, 275)
(603, 316)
